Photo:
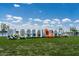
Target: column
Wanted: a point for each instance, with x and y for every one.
(36, 32)
(41, 34)
(31, 32)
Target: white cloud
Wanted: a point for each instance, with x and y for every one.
(66, 20)
(45, 26)
(36, 24)
(30, 18)
(14, 19)
(53, 22)
(17, 19)
(28, 25)
(16, 5)
(9, 17)
(76, 21)
(71, 25)
(46, 21)
(57, 21)
(37, 20)
(60, 25)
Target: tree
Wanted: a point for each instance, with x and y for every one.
(74, 31)
(4, 28)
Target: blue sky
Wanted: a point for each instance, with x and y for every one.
(40, 14)
(51, 10)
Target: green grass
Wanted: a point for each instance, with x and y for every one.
(64, 46)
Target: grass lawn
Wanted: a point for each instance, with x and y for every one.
(40, 46)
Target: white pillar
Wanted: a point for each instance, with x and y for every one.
(36, 32)
(41, 33)
(26, 33)
(31, 33)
